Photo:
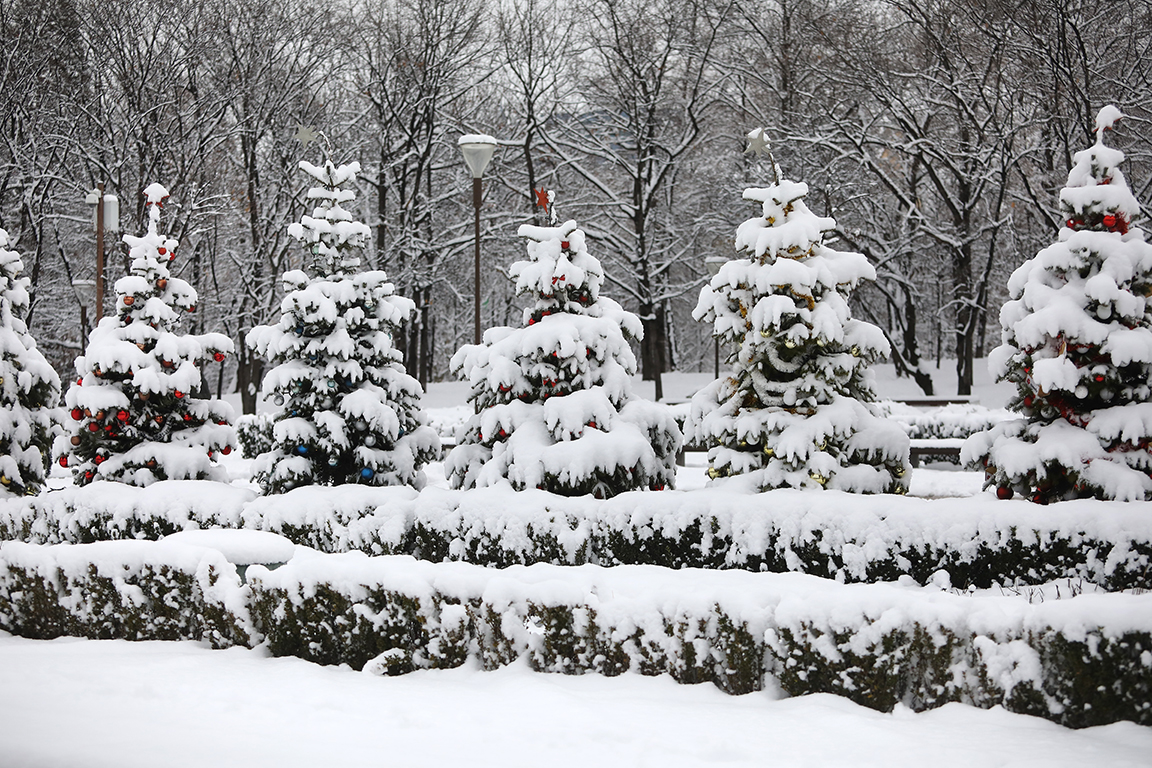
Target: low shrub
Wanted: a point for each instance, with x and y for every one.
(1079, 661)
(979, 541)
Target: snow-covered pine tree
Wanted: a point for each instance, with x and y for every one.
(554, 408)
(134, 417)
(793, 412)
(351, 414)
(29, 387)
(1077, 343)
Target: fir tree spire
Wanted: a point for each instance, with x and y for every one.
(29, 388)
(553, 403)
(792, 412)
(1077, 343)
(350, 413)
(135, 417)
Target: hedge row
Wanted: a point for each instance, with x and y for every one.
(1079, 662)
(979, 541)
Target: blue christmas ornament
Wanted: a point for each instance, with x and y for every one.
(301, 449)
(367, 473)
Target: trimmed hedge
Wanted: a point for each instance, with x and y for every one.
(979, 541)
(121, 590)
(1079, 662)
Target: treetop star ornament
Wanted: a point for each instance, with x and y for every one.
(304, 134)
(758, 144)
(542, 198)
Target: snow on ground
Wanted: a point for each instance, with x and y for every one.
(75, 702)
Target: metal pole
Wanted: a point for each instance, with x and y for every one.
(716, 355)
(476, 283)
(100, 252)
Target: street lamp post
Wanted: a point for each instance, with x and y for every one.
(107, 217)
(478, 151)
(714, 263)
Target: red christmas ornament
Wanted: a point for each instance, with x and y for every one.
(1071, 223)
(531, 321)
(88, 475)
(161, 250)
(122, 416)
(1028, 401)
(162, 283)
(178, 394)
(218, 357)
(1098, 378)
(1004, 493)
(93, 426)
(226, 450)
(1109, 220)
(187, 417)
(192, 308)
(564, 244)
(63, 461)
(129, 300)
(592, 424)
(98, 459)
(77, 414)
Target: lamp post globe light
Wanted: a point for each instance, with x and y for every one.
(478, 150)
(85, 291)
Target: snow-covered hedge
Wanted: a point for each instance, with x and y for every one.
(1078, 661)
(955, 420)
(978, 540)
(133, 590)
(254, 433)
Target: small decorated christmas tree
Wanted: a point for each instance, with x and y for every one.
(1077, 343)
(29, 388)
(134, 418)
(553, 402)
(351, 414)
(793, 412)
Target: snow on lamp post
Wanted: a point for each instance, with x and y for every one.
(714, 263)
(85, 294)
(478, 151)
(107, 217)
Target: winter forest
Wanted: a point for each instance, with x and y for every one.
(937, 132)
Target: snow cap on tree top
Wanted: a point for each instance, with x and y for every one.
(1105, 120)
(155, 193)
(1095, 182)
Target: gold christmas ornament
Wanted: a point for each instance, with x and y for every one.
(769, 452)
(819, 478)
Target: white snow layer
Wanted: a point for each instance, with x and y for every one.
(106, 704)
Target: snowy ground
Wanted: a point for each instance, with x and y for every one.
(112, 703)
(72, 702)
